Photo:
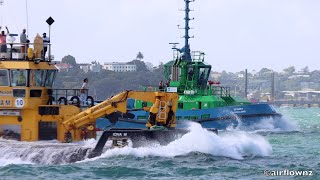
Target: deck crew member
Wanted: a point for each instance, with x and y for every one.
(168, 83)
(84, 91)
(23, 40)
(21, 80)
(3, 40)
(38, 47)
(161, 85)
(201, 78)
(190, 75)
(46, 41)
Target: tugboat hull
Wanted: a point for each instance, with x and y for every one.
(219, 118)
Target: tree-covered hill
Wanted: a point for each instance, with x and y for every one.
(107, 83)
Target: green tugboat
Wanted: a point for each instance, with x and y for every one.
(200, 100)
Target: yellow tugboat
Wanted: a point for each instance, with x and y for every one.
(28, 110)
(31, 110)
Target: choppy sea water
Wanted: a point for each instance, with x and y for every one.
(233, 154)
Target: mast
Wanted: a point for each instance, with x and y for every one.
(27, 17)
(1, 2)
(186, 48)
(246, 84)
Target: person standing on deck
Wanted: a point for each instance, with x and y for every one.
(201, 79)
(21, 80)
(161, 86)
(190, 75)
(168, 83)
(46, 41)
(3, 40)
(84, 91)
(23, 41)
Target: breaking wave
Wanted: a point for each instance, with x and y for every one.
(236, 145)
(278, 124)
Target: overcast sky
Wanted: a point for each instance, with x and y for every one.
(234, 34)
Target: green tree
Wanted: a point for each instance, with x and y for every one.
(305, 70)
(139, 56)
(290, 70)
(264, 72)
(141, 66)
(69, 60)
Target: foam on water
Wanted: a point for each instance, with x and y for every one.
(234, 145)
(279, 124)
(42, 152)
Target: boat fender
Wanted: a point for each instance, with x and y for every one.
(19, 118)
(128, 115)
(170, 118)
(91, 101)
(152, 118)
(113, 117)
(77, 100)
(30, 53)
(62, 99)
(67, 137)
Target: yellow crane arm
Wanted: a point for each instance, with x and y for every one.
(163, 103)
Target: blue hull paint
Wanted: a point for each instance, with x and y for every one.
(220, 118)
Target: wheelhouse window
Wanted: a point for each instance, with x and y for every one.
(18, 77)
(203, 75)
(50, 78)
(190, 74)
(4, 77)
(37, 77)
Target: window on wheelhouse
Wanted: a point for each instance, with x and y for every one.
(4, 77)
(37, 77)
(190, 73)
(203, 76)
(175, 74)
(50, 78)
(18, 77)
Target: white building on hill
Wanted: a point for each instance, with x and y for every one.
(119, 67)
(94, 66)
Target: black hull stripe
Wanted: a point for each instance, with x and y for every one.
(211, 119)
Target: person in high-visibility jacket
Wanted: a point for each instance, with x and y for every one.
(38, 46)
(21, 80)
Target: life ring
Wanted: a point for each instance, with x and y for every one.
(77, 102)
(62, 99)
(90, 99)
(90, 128)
